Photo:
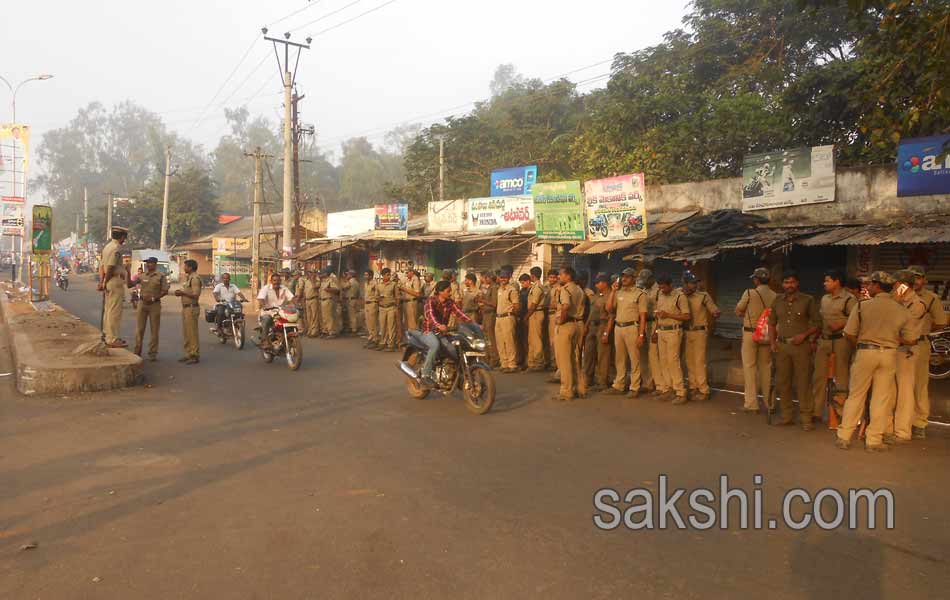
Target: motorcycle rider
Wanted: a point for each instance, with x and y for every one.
(440, 307)
(270, 297)
(224, 293)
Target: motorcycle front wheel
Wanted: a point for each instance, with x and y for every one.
(415, 389)
(480, 395)
(939, 366)
(294, 353)
(238, 329)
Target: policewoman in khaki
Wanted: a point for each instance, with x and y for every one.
(507, 304)
(154, 287)
(756, 357)
(628, 308)
(702, 311)
(113, 280)
(672, 310)
(570, 318)
(190, 294)
(371, 308)
(794, 320)
(311, 298)
(836, 305)
(387, 290)
(535, 318)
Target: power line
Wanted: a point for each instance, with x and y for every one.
(296, 12)
(327, 15)
(227, 79)
(350, 20)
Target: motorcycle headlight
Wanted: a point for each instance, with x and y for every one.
(479, 345)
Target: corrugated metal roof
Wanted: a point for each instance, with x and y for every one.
(768, 238)
(656, 224)
(321, 249)
(934, 232)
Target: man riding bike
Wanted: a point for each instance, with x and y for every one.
(224, 293)
(271, 297)
(439, 308)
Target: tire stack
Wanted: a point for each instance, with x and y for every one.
(707, 230)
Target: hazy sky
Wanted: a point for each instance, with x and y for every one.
(408, 59)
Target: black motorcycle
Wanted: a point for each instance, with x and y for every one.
(459, 365)
(232, 325)
(62, 280)
(939, 353)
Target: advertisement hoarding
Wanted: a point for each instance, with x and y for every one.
(499, 214)
(42, 229)
(447, 216)
(350, 222)
(923, 166)
(616, 208)
(11, 218)
(14, 159)
(513, 181)
(559, 211)
(788, 178)
(391, 221)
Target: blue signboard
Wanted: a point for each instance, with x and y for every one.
(923, 166)
(515, 181)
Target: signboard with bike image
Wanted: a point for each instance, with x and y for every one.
(616, 208)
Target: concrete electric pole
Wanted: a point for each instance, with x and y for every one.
(256, 223)
(109, 197)
(85, 212)
(163, 246)
(441, 138)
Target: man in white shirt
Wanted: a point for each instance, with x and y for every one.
(224, 293)
(270, 297)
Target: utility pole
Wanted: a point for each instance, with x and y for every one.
(256, 224)
(163, 246)
(441, 138)
(296, 173)
(288, 77)
(110, 196)
(85, 212)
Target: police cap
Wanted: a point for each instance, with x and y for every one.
(882, 277)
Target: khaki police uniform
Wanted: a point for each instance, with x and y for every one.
(189, 314)
(114, 292)
(551, 313)
(935, 316)
(650, 357)
(792, 316)
(354, 298)
(330, 305)
(879, 325)
(901, 420)
(568, 341)
(702, 310)
(596, 357)
(535, 356)
(505, 323)
(410, 302)
(311, 297)
(371, 311)
(669, 333)
(488, 312)
(756, 358)
(628, 304)
(834, 310)
(153, 286)
(388, 305)
(470, 297)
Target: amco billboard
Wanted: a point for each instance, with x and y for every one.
(923, 166)
(515, 181)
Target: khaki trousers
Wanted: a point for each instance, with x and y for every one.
(671, 370)
(842, 350)
(387, 326)
(696, 342)
(625, 348)
(652, 374)
(596, 357)
(189, 330)
(488, 326)
(873, 369)
(353, 314)
(371, 313)
(535, 357)
(900, 421)
(313, 317)
(792, 364)
(152, 315)
(756, 369)
(568, 346)
(921, 383)
(552, 339)
(112, 317)
(411, 314)
(505, 336)
(329, 317)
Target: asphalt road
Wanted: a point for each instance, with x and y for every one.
(239, 479)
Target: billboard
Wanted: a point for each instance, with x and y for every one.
(923, 166)
(788, 178)
(350, 222)
(513, 181)
(447, 216)
(559, 211)
(11, 217)
(391, 221)
(42, 229)
(14, 159)
(616, 208)
(499, 214)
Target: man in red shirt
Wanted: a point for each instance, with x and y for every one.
(439, 308)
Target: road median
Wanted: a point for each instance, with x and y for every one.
(54, 352)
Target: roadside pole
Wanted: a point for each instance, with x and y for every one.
(109, 197)
(256, 223)
(163, 246)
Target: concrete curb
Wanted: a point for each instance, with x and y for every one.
(34, 377)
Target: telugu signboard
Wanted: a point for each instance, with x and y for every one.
(559, 211)
(446, 216)
(42, 229)
(788, 178)
(616, 208)
(14, 159)
(350, 222)
(391, 221)
(499, 214)
(514, 181)
(11, 217)
(923, 166)
(226, 246)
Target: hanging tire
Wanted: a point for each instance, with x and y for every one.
(480, 396)
(294, 353)
(415, 390)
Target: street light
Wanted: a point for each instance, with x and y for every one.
(14, 90)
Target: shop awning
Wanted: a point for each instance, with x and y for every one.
(656, 225)
(325, 248)
(933, 232)
(763, 239)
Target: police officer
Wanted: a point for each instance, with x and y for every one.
(794, 320)
(190, 294)
(650, 355)
(330, 303)
(154, 287)
(506, 306)
(486, 301)
(628, 322)
(470, 294)
(672, 311)
(428, 285)
(900, 420)
(387, 291)
(411, 290)
(354, 298)
(535, 318)
(568, 335)
(311, 298)
(933, 320)
(596, 356)
(703, 311)
(756, 357)
(835, 306)
(371, 308)
(113, 279)
(877, 326)
(553, 289)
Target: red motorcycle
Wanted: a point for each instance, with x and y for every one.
(284, 337)
(632, 222)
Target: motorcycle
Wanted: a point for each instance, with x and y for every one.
(284, 338)
(62, 281)
(598, 225)
(232, 325)
(632, 223)
(459, 365)
(939, 353)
